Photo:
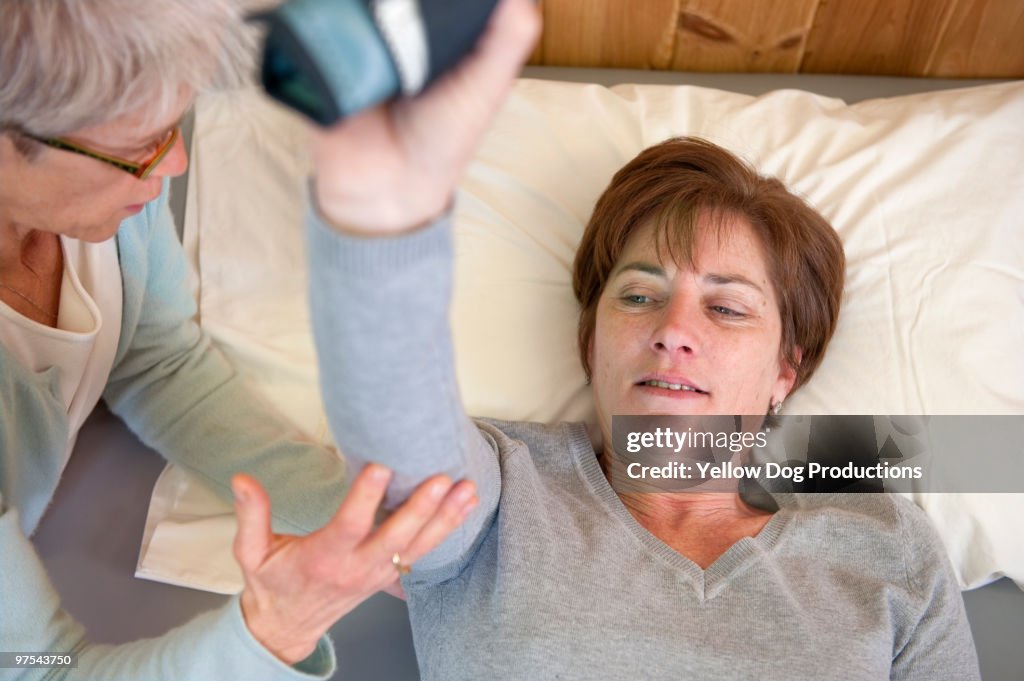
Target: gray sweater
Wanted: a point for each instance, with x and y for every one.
(552, 578)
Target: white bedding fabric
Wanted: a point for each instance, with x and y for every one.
(927, 192)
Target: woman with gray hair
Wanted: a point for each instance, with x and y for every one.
(94, 304)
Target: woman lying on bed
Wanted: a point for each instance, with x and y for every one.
(94, 302)
(704, 289)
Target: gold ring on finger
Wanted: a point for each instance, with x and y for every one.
(402, 568)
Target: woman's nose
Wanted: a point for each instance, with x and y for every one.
(678, 328)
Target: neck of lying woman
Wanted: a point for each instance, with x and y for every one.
(700, 526)
(682, 508)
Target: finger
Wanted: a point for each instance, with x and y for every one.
(502, 48)
(481, 81)
(252, 506)
(453, 511)
(355, 516)
(398, 530)
(512, 32)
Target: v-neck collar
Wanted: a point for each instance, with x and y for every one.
(706, 583)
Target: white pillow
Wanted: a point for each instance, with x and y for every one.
(926, 191)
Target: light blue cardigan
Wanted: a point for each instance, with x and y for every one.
(179, 394)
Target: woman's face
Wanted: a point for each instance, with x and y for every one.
(78, 196)
(681, 340)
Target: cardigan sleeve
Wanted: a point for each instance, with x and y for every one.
(215, 645)
(175, 389)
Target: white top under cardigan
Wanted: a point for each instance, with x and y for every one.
(83, 345)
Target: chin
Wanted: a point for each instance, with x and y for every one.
(96, 235)
(670, 406)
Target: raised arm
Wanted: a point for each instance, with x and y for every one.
(380, 249)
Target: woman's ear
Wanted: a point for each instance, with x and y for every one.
(787, 375)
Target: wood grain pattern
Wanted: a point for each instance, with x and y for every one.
(608, 33)
(880, 37)
(947, 38)
(725, 35)
(983, 37)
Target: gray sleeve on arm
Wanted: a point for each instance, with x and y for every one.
(934, 641)
(380, 321)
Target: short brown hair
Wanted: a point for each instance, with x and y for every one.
(675, 182)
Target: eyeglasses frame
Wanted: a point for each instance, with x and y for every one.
(138, 170)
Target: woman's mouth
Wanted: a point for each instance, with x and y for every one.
(675, 387)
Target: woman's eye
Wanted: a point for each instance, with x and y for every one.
(725, 311)
(636, 299)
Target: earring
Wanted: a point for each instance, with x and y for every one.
(773, 410)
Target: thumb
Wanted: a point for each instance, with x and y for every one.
(252, 506)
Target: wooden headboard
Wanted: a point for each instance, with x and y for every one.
(931, 38)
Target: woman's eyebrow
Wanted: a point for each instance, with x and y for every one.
(713, 278)
(639, 266)
(726, 279)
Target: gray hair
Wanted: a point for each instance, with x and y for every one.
(72, 64)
